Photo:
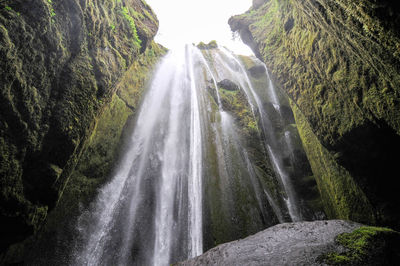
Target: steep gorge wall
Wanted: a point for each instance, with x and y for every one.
(60, 63)
(94, 168)
(339, 62)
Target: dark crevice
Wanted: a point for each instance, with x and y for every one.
(370, 153)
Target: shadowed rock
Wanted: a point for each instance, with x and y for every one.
(228, 85)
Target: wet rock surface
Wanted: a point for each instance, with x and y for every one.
(338, 63)
(284, 244)
(61, 62)
(228, 85)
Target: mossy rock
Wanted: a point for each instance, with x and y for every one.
(341, 196)
(211, 45)
(340, 66)
(234, 101)
(257, 71)
(60, 63)
(227, 84)
(96, 164)
(366, 246)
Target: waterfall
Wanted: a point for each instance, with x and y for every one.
(273, 148)
(158, 186)
(203, 167)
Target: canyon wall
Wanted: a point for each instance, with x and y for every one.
(339, 63)
(62, 62)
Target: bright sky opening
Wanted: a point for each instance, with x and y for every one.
(193, 21)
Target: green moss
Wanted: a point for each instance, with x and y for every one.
(136, 14)
(148, 15)
(236, 102)
(51, 8)
(341, 196)
(49, 111)
(359, 240)
(365, 246)
(336, 259)
(136, 40)
(211, 45)
(131, 86)
(247, 61)
(99, 156)
(201, 45)
(103, 146)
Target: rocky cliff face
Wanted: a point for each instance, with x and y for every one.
(101, 153)
(339, 62)
(61, 61)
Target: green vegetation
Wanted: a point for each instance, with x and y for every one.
(341, 196)
(366, 246)
(236, 102)
(211, 45)
(136, 40)
(51, 8)
(201, 45)
(148, 15)
(9, 8)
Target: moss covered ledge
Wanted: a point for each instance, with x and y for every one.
(366, 246)
(342, 198)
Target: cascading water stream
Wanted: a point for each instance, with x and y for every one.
(271, 87)
(291, 201)
(164, 159)
(195, 183)
(191, 178)
(224, 69)
(275, 100)
(213, 80)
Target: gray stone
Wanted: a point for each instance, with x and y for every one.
(284, 244)
(228, 85)
(258, 3)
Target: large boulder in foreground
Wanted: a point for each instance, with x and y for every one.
(334, 242)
